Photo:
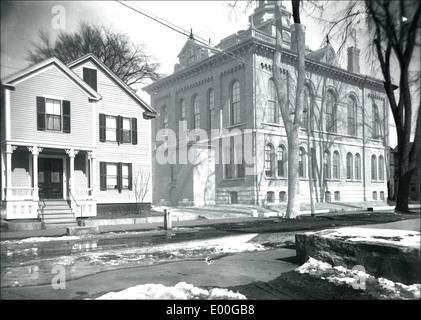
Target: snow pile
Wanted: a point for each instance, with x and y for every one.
(181, 291)
(40, 239)
(387, 236)
(379, 288)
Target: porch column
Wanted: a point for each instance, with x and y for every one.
(72, 153)
(35, 153)
(92, 176)
(9, 151)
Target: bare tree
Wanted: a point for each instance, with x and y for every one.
(394, 31)
(141, 187)
(126, 59)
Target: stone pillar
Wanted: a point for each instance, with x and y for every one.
(9, 151)
(35, 153)
(72, 153)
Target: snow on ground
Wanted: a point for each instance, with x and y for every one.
(386, 236)
(181, 291)
(379, 288)
(40, 239)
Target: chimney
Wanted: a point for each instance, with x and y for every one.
(354, 59)
(294, 45)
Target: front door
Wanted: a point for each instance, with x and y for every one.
(50, 178)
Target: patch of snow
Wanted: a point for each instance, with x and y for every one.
(40, 239)
(181, 291)
(379, 288)
(389, 236)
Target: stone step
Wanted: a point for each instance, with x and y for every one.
(61, 225)
(60, 220)
(58, 216)
(57, 211)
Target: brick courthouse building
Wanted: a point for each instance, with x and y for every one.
(230, 88)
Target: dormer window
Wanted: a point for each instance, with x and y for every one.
(90, 77)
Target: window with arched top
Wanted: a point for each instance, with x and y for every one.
(330, 111)
(381, 168)
(196, 112)
(302, 163)
(349, 165)
(269, 160)
(281, 159)
(211, 108)
(357, 170)
(352, 116)
(182, 110)
(272, 110)
(235, 103)
(164, 113)
(335, 165)
(373, 167)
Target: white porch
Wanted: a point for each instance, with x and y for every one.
(33, 174)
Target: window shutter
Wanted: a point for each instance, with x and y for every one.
(66, 116)
(40, 113)
(134, 130)
(102, 127)
(119, 176)
(90, 77)
(103, 175)
(119, 129)
(94, 79)
(130, 177)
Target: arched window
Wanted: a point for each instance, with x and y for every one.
(326, 165)
(381, 168)
(335, 165)
(268, 160)
(375, 122)
(270, 197)
(352, 116)
(302, 163)
(235, 103)
(164, 117)
(357, 173)
(211, 108)
(281, 161)
(271, 112)
(196, 112)
(349, 165)
(330, 112)
(282, 196)
(373, 167)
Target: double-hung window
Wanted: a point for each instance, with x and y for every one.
(117, 128)
(53, 115)
(115, 176)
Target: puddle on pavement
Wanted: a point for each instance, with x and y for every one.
(31, 262)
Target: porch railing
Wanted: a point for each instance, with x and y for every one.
(72, 199)
(20, 193)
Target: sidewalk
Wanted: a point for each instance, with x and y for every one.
(205, 216)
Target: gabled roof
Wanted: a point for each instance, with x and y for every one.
(149, 111)
(13, 80)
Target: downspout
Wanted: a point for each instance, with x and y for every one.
(363, 162)
(256, 189)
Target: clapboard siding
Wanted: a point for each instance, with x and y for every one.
(23, 109)
(115, 101)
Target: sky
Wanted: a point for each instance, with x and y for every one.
(21, 22)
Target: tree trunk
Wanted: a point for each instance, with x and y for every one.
(403, 192)
(293, 205)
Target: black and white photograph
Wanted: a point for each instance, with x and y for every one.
(210, 158)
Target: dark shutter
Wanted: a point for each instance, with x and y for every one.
(102, 127)
(119, 129)
(130, 176)
(66, 116)
(103, 176)
(119, 176)
(94, 79)
(134, 130)
(40, 113)
(90, 77)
